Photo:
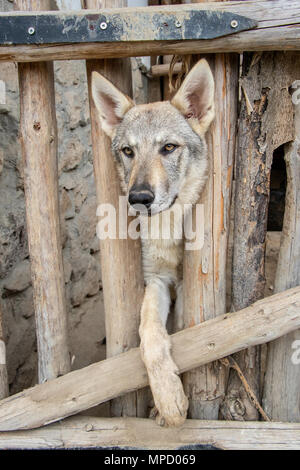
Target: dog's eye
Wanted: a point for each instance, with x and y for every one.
(128, 152)
(168, 148)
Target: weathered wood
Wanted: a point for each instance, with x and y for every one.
(3, 369)
(122, 276)
(265, 123)
(162, 70)
(39, 151)
(87, 432)
(278, 29)
(205, 270)
(4, 6)
(282, 377)
(81, 389)
(154, 86)
(155, 89)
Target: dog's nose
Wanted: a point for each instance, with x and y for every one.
(141, 194)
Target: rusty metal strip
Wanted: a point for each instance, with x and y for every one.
(135, 25)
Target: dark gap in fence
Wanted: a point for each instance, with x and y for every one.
(278, 183)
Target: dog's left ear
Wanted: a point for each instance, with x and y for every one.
(110, 102)
(195, 97)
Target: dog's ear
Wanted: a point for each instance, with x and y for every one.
(110, 102)
(195, 97)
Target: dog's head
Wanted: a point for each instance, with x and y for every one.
(159, 148)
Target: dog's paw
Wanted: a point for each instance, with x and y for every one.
(171, 404)
(167, 390)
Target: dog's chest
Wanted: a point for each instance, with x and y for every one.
(162, 251)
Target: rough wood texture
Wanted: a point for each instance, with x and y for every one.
(283, 374)
(155, 88)
(87, 432)
(278, 29)
(122, 275)
(265, 123)
(81, 389)
(39, 151)
(162, 70)
(3, 369)
(4, 6)
(205, 270)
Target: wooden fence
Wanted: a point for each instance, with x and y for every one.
(246, 132)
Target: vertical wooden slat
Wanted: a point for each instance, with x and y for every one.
(282, 380)
(4, 6)
(265, 123)
(121, 267)
(244, 269)
(205, 270)
(39, 151)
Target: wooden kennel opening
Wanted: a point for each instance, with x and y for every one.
(240, 140)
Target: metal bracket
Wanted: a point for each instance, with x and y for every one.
(109, 26)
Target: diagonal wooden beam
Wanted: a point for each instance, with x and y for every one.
(264, 321)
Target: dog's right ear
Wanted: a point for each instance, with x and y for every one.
(110, 102)
(195, 97)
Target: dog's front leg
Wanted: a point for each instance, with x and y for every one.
(166, 386)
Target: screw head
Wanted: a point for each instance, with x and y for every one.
(234, 24)
(31, 30)
(178, 24)
(103, 25)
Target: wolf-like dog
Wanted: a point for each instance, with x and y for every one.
(161, 157)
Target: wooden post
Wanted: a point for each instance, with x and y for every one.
(205, 270)
(122, 275)
(81, 389)
(282, 377)
(154, 84)
(39, 150)
(4, 6)
(265, 123)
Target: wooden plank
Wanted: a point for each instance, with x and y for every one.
(264, 321)
(121, 265)
(282, 377)
(204, 275)
(4, 390)
(89, 432)
(39, 151)
(162, 70)
(265, 123)
(278, 29)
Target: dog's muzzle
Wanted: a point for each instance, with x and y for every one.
(141, 195)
